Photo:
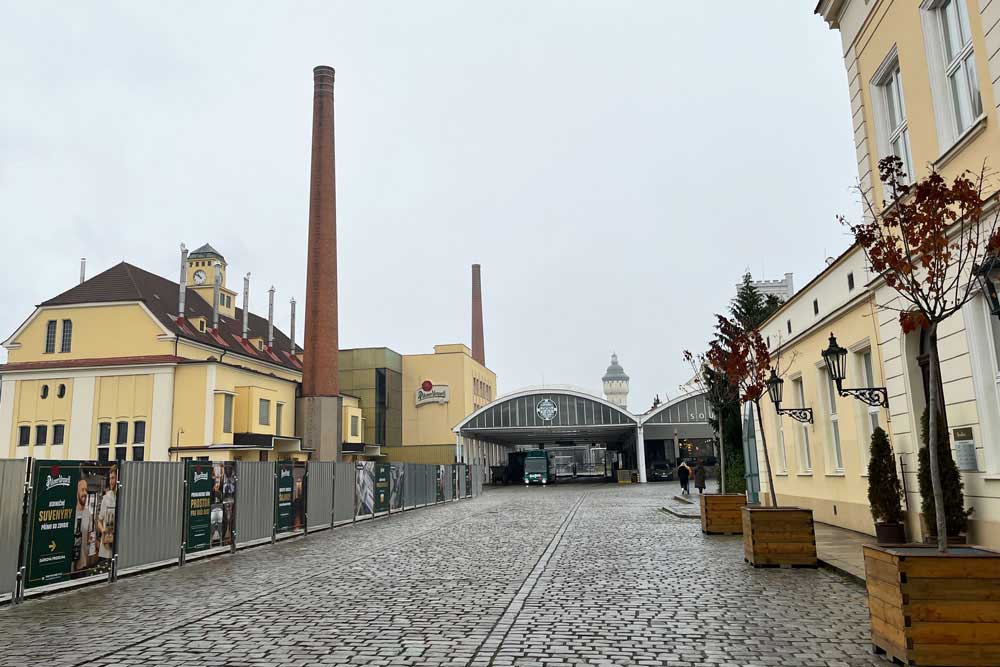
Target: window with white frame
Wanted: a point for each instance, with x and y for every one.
(836, 456)
(953, 66)
(890, 114)
(782, 454)
(805, 458)
(873, 410)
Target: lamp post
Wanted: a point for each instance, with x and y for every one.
(988, 276)
(775, 389)
(835, 357)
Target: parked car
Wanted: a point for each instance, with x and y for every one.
(661, 472)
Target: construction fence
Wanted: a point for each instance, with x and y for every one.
(68, 523)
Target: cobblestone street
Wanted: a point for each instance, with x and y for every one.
(577, 574)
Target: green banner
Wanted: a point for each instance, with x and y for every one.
(284, 485)
(382, 476)
(211, 492)
(72, 520)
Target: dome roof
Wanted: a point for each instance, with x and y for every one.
(206, 251)
(615, 371)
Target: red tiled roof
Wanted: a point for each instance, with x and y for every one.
(125, 282)
(90, 363)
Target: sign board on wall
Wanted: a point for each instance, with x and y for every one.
(965, 449)
(382, 490)
(432, 393)
(289, 489)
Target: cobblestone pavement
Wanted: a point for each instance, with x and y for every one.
(567, 575)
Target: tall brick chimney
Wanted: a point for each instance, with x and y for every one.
(478, 348)
(318, 411)
(320, 373)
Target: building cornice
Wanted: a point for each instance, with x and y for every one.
(831, 11)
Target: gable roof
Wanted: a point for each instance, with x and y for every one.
(125, 282)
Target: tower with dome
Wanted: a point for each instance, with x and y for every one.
(616, 384)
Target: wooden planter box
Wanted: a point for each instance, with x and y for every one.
(929, 608)
(720, 513)
(779, 537)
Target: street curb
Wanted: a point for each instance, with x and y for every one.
(679, 515)
(850, 576)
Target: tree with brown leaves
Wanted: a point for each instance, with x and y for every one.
(926, 243)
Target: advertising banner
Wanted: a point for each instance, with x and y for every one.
(398, 484)
(73, 513)
(382, 490)
(365, 487)
(211, 512)
(289, 490)
(439, 485)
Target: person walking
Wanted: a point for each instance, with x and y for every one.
(684, 476)
(699, 476)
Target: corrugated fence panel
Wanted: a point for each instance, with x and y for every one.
(461, 480)
(254, 500)
(152, 513)
(448, 474)
(343, 492)
(12, 475)
(319, 494)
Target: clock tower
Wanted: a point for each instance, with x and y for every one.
(203, 265)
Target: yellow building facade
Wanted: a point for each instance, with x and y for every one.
(439, 391)
(109, 370)
(923, 86)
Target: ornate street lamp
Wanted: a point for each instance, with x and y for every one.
(835, 357)
(988, 276)
(775, 389)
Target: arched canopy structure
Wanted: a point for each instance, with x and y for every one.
(566, 417)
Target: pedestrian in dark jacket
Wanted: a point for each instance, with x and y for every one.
(684, 476)
(699, 476)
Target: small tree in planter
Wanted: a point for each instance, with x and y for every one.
(772, 536)
(885, 494)
(951, 483)
(720, 512)
(928, 604)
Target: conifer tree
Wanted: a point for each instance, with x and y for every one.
(885, 494)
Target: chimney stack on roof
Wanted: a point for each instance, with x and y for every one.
(270, 318)
(291, 330)
(83, 269)
(216, 289)
(246, 306)
(478, 347)
(320, 344)
(182, 283)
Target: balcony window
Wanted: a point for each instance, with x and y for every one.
(58, 434)
(354, 426)
(264, 418)
(23, 436)
(227, 413)
(278, 411)
(41, 435)
(104, 433)
(121, 433)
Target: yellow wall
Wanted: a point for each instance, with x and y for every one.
(452, 365)
(898, 23)
(31, 410)
(122, 330)
(122, 398)
(436, 454)
(824, 487)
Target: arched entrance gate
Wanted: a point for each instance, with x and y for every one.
(565, 419)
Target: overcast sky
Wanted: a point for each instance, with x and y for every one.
(614, 166)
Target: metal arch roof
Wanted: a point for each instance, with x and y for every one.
(643, 419)
(538, 391)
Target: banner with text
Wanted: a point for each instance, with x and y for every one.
(72, 520)
(211, 514)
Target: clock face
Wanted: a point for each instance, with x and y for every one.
(199, 277)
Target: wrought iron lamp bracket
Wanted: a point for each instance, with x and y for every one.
(873, 396)
(804, 415)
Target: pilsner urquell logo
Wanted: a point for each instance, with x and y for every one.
(286, 472)
(200, 476)
(55, 479)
